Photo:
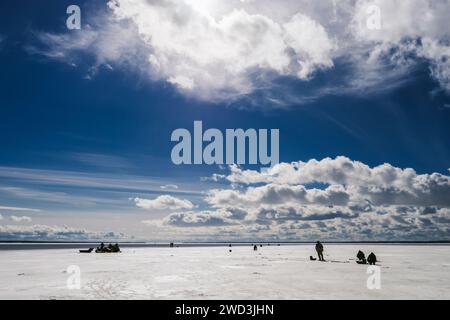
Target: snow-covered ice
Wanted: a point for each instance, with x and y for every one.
(273, 272)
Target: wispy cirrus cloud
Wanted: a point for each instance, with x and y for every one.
(18, 209)
(66, 191)
(105, 181)
(169, 186)
(104, 161)
(37, 194)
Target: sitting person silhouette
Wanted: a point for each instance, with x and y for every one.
(115, 248)
(372, 258)
(361, 257)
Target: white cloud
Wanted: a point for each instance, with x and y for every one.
(205, 218)
(18, 209)
(339, 199)
(225, 50)
(164, 202)
(408, 28)
(273, 194)
(53, 233)
(383, 184)
(169, 186)
(212, 57)
(78, 179)
(20, 218)
(311, 43)
(312, 222)
(198, 219)
(182, 82)
(402, 19)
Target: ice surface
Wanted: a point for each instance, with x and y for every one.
(273, 272)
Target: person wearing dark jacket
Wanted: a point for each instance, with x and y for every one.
(372, 258)
(361, 257)
(319, 249)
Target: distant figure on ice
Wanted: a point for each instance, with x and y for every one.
(108, 249)
(319, 249)
(372, 258)
(361, 257)
(255, 248)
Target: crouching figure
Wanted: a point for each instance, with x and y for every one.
(361, 257)
(372, 258)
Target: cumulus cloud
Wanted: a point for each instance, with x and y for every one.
(215, 56)
(273, 194)
(226, 50)
(53, 233)
(20, 218)
(222, 217)
(383, 184)
(338, 199)
(164, 202)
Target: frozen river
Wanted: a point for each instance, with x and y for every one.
(273, 272)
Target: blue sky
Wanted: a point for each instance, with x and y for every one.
(84, 131)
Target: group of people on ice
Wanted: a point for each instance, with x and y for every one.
(111, 248)
(371, 259)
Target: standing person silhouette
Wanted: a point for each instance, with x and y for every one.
(319, 249)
